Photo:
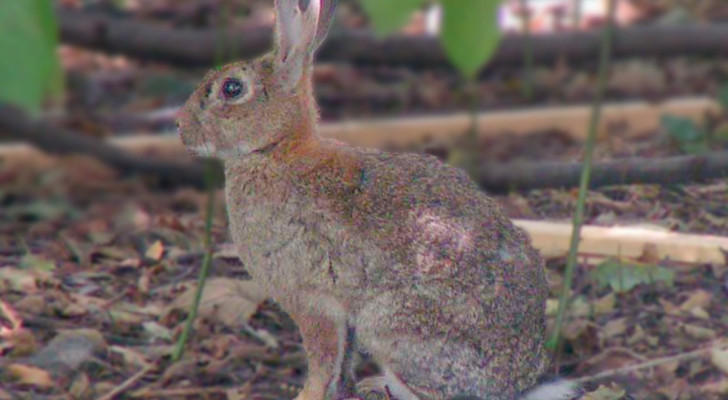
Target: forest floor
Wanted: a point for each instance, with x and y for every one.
(97, 272)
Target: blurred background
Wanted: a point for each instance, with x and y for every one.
(102, 212)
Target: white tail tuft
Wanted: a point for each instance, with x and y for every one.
(557, 390)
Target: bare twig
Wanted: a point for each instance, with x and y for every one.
(128, 383)
(691, 355)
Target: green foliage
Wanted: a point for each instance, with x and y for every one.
(470, 32)
(686, 134)
(29, 68)
(388, 15)
(723, 97)
(623, 276)
(695, 138)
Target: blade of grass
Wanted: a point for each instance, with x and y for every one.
(527, 50)
(210, 178)
(604, 62)
(206, 262)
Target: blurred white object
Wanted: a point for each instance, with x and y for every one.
(546, 16)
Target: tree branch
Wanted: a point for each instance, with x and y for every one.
(493, 177)
(16, 124)
(663, 171)
(188, 47)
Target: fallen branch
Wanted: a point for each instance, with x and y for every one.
(661, 171)
(626, 242)
(125, 154)
(15, 124)
(202, 48)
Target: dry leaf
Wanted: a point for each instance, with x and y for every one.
(699, 298)
(18, 280)
(700, 313)
(155, 330)
(605, 304)
(22, 341)
(70, 348)
(699, 332)
(719, 358)
(81, 386)
(720, 387)
(29, 375)
(615, 327)
(230, 301)
(612, 392)
(155, 251)
(130, 356)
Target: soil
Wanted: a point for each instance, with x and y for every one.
(96, 271)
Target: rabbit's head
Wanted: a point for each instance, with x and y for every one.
(248, 107)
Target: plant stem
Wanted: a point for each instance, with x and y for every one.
(527, 50)
(604, 62)
(472, 142)
(206, 262)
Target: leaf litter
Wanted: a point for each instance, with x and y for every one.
(95, 299)
(96, 273)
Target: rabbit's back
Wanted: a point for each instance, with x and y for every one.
(356, 222)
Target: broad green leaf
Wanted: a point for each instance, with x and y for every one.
(686, 133)
(723, 97)
(623, 276)
(29, 68)
(470, 33)
(680, 128)
(696, 147)
(389, 15)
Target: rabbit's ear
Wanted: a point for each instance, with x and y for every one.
(301, 25)
(326, 15)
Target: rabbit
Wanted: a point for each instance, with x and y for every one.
(397, 256)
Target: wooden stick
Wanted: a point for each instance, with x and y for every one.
(552, 239)
(641, 117)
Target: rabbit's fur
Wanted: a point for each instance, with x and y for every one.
(396, 255)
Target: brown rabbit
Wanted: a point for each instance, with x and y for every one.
(396, 255)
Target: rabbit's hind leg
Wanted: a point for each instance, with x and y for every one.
(419, 360)
(324, 336)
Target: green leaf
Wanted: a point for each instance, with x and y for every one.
(623, 276)
(723, 97)
(470, 33)
(389, 15)
(680, 128)
(686, 133)
(29, 68)
(697, 147)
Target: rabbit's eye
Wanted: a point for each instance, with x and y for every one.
(232, 89)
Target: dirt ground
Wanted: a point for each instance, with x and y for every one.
(96, 271)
